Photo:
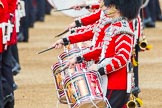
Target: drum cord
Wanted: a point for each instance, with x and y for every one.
(108, 104)
(94, 104)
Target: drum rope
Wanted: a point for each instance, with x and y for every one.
(94, 103)
(108, 104)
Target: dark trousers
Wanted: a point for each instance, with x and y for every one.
(135, 69)
(7, 67)
(150, 10)
(31, 12)
(24, 23)
(157, 8)
(41, 8)
(1, 90)
(15, 53)
(6, 77)
(117, 98)
(48, 8)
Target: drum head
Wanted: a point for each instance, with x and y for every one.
(64, 4)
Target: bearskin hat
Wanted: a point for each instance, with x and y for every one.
(128, 8)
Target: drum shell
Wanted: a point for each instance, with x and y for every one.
(58, 80)
(82, 89)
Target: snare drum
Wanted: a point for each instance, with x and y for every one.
(83, 90)
(64, 55)
(58, 78)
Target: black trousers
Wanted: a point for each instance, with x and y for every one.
(135, 69)
(157, 8)
(14, 51)
(150, 10)
(24, 23)
(7, 67)
(117, 98)
(41, 8)
(48, 7)
(1, 90)
(30, 12)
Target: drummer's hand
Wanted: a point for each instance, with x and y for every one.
(72, 25)
(58, 44)
(76, 7)
(71, 62)
(93, 67)
(79, 6)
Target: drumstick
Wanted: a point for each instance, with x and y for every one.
(63, 9)
(87, 7)
(62, 33)
(45, 50)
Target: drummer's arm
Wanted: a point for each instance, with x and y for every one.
(79, 37)
(88, 19)
(92, 55)
(94, 6)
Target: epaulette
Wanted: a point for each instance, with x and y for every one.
(115, 29)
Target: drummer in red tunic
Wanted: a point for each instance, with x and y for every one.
(113, 50)
(3, 43)
(90, 19)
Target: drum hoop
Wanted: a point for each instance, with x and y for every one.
(74, 50)
(58, 65)
(61, 93)
(55, 66)
(67, 78)
(74, 75)
(92, 72)
(69, 53)
(62, 54)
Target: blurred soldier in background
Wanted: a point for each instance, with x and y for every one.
(3, 19)
(40, 10)
(152, 13)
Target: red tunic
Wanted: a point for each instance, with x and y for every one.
(95, 6)
(3, 18)
(12, 8)
(90, 19)
(96, 33)
(116, 52)
(119, 50)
